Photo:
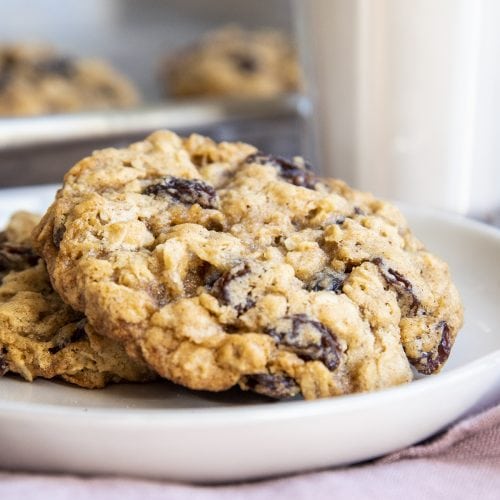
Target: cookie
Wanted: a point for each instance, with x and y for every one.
(220, 265)
(16, 252)
(35, 80)
(233, 62)
(40, 336)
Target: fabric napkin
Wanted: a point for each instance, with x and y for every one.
(462, 463)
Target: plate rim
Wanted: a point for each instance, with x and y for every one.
(274, 410)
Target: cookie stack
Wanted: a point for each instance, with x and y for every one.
(40, 335)
(215, 265)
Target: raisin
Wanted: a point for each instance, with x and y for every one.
(295, 333)
(55, 349)
(210, 274)
(4, 365)
(396, 279)
(8, 64)
(245, 63)
(328, 280)
(359, 211)
(224, 289)
(16, 257)
(106, 90)
(5, 77)
(77, 335)
(188, 191)
(290, 171)
(58, 235)
(430, 362)
(274, 386)
(56, 66)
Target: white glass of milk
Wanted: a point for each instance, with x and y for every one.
(406, 97)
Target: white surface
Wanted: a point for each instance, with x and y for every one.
(158, 430)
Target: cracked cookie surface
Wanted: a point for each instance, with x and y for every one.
(40, 336)
(220, 265)
(234, 62)
(35, 80)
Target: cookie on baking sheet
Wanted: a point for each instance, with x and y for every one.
(35, 80)
(220, 265)
(40, 336)
(234, 62)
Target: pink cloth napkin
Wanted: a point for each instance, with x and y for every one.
(463, 463)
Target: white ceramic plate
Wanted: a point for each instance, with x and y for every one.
(159, 430)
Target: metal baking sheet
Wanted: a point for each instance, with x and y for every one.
(50, 129)
(41, 149)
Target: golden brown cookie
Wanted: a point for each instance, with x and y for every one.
(40, 336)
(35, 80)
(234, 62)
(219, 265)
